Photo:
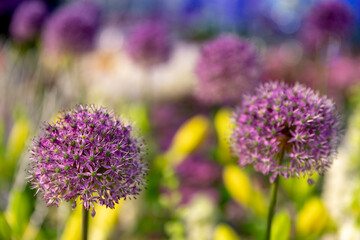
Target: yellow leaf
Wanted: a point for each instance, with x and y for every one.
(225, 232)
(189, 136)
(104, 222)
(18, 136)
(72, 229)
(237, 184)
(258, 204)
(312, 218)
(223, 128)
(100, 227)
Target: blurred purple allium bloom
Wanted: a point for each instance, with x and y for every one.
(7, 6)
(344, 72)
(327, 19)
(165, 130)
(199, 171)
(189, 192)
(149, 43)
(88, 153)
(227, 67)
(175, 113)
(72, 29)
(198, 174)
(293, 119)
(27, 20)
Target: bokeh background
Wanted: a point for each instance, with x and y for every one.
(139, 58)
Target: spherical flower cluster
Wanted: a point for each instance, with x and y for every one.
(176, 113)
(197, 170)
(198, 174)
(149, 43)
(27, 20)
(327, 19)
(227, 67)
(72, 29)
(7, 6)
(286, 130)
(344, 72)
(90, 154)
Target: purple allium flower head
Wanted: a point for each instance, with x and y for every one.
(198, 174)
(7, 6)
(293, 120)
(198, 171)
(87, 153)
(189, 192)
(149, 43)
(175, 113)
(27, 20)
(344, 72)
(72, 29)
(328, 19)
(227, 67)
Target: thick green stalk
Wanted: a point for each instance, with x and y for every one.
(84, 224)
(273, 199)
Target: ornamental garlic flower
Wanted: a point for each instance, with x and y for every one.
(344, 72)
(73, 28)
(90, 154)
(149, 43)
(292, 121)
(197, 170)
(327, 20)
(227, 67)
(27, 20)
(198, 175)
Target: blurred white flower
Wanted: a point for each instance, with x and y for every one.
(341, 181)
(199, 217)
(177, 78)
(349, 231)
(110, 75)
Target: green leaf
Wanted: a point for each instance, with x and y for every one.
(5, 229)
(17, 138)
(2, 144)
(137, 113)
(298, 189)
(281, 226)
(19, 210)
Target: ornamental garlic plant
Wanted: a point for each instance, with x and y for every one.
(88, 153)
(287, 131)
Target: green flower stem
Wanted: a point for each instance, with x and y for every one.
(84, 224)
(273, 199)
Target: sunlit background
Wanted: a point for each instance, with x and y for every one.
(139, 58)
